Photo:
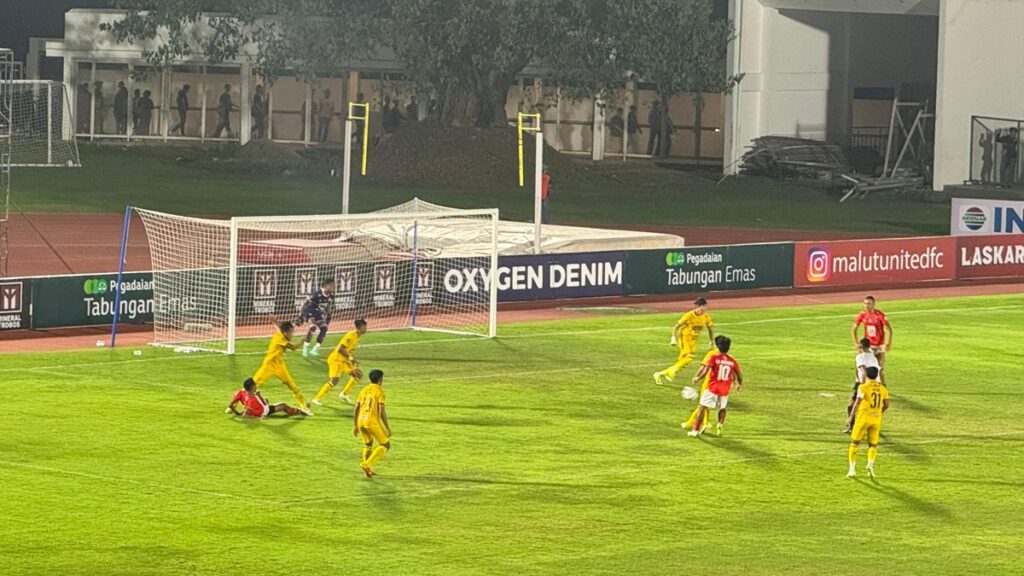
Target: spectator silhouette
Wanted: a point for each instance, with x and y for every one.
(985, 142)
(654, 120)
(145, 112)
(84, 105)
(121, 108)
(324, 112)
(1009, 139)
(136, 96)
(98, 105)
(224, 108)
(412, 111)
(260, 111)
(181, 104)
(616, 127)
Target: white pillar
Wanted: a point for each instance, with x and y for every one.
(597, 142)
(245, 106)
(538, 177)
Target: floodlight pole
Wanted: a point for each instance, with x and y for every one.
(538, 183)
(346, 166)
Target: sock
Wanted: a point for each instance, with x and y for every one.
(721, 416)
(366, 454)
(324, 391)
(320, 337)
(852, 455)
(349, 386)
(674, 369)
(297, 394)
(305, 346)
(692, 420)
(872, 454)
(375, 457)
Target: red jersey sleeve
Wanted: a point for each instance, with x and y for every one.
(239, 396)
(859, 319)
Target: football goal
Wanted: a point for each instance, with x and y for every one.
(215, 281)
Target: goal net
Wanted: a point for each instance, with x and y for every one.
(40, 130)
(215, 281)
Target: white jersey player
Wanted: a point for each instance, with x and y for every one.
(865, 359)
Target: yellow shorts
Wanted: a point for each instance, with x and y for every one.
(688, 348)
(268, 370)
(871, 428)
(373, 432)
(337, 365)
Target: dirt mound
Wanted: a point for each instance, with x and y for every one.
(435, 154)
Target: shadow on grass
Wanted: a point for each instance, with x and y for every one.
(487, 407)
(742, 449)
(497, 482)
(907, 499)
(913, 405)
(915, 451)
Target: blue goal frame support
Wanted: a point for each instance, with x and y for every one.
(120, 274)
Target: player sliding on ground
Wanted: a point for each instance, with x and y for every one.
(685, 334)
(370, 420)
(317, 312)
(341, 361)
(875, 326)
(255, 405)
(872, 402)
(723, 370)
(273, 363)
(692, 421)
(865, 359)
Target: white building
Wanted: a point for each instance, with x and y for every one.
(807, 62)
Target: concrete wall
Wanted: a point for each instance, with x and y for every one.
(801, 66)
(980, 73)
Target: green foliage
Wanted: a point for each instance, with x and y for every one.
(465, 53)
(548, 451)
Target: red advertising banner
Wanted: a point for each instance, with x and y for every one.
(861, 262)
(990, 256)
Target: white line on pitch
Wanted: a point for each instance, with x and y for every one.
(535, 335)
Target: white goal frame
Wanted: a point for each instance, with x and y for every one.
(481, 252)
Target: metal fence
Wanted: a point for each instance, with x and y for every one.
(995, 151)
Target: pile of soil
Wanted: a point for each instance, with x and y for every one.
(433, 154)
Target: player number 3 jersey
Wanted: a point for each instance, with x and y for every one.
(873, 395)
(370, 400)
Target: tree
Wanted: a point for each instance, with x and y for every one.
(678, 45)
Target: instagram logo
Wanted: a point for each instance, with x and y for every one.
(819, 264)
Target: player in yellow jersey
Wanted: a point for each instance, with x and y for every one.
(342, 360)
(685, 334)
(273, 362)
(370, 422)
(872, 401)
(703, 387)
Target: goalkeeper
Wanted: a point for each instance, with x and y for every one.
(316, 311)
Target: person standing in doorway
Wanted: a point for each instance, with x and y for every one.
(260, 109)
(633, 125)
(181, 104)
(654, 120)
(121, 108)
(84, 101)
(412, 111)
(98, 105)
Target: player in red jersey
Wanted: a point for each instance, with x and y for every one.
(255, 405)
(875, 327)
(724, 369)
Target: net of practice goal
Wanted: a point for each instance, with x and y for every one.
(215, 281)
(41, 133)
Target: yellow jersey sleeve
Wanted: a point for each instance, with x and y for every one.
(350, 341)
(684, 320)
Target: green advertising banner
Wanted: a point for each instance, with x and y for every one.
(709, 268)
(88, 299)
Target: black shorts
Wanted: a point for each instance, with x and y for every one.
(315, 314)
(270, 409)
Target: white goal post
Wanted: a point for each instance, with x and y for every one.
(215, 281)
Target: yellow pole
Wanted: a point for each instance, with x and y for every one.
(366, 129)
(520, 128)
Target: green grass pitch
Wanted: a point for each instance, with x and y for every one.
(547, 451)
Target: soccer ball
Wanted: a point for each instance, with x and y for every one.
(689, 394)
